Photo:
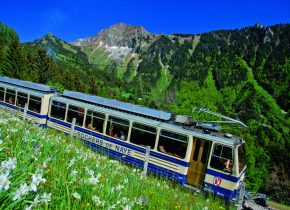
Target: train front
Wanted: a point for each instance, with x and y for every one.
(226, 169)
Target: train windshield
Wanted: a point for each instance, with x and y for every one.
(222, 158)
(242, 157)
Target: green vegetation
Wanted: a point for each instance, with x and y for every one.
(43, 168)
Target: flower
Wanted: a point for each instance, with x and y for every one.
(142, 200)
(97, 201)
(72, 161)
(91, 172)
(23, 190)
(74, 173)
(34, 203)
(36, 146)
(76, 195)
(119, 187)
(45, 198)
(9, 165)
(127, 207)
(126, 181)
(36, 179)
(94, 180)
(4, 181)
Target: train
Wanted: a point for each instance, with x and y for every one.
(196, 155)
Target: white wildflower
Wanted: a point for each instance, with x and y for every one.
(34, 203)
(94, 180)
(91, 172)
(158, 184)
(4, 181)
(114, 161)
(29, 207)
(124, 200)
(13, 130)
(97, 201)
(112, 207)
(127, 207)
(9, 165)
(74, 173)
(72, 161)
(45, 198)
(23, 190)
(126, 181)
(76, 195)
(36, 179)
(44, 165)
(119, 187)
(112, 189)
(1, 141)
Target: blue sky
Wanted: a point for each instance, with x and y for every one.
(72, 19)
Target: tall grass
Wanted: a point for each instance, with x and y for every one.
(44, 169)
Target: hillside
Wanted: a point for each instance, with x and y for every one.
(43, 168)
(242, 73)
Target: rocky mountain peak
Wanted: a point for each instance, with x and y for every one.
(119, 35)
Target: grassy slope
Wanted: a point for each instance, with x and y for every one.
(76, 177)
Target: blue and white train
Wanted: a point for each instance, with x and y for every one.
(179, 149)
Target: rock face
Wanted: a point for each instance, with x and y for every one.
(118, 42)
(119, 35)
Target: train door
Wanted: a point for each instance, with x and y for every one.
(198, 161)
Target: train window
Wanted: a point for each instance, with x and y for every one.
(34, 104)
(143, 135)
(76, 112)
(22, 99)
(242, 158)
(95, 121)
(58, 110)
(117, 127)
(222, 158)
(2, 93)
(10, 96)
(172, 143)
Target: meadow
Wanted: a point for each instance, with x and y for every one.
(45, 169)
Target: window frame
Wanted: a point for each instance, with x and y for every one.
(245, 161)
(4, 93)
(232, 161)
(147, 131)
(52, 104)
(29, 104)
(76, 111)
(27, 97)
(96, 117)
(174, 139)
(114, 134)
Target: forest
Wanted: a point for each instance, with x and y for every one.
(244, 74)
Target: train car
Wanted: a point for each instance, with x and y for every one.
(179, 150)
(14, 94)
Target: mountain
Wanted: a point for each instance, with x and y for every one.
(243, 73)
(62, 51)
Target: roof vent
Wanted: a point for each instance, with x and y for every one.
(186, 120)
(228, 135)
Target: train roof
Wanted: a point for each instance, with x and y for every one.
(27, 85)
(119, 105)
(169, 125)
